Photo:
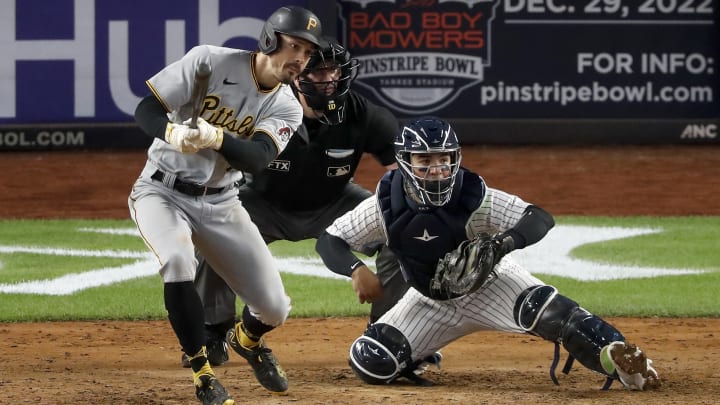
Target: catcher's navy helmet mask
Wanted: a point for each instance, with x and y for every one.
(423, 136)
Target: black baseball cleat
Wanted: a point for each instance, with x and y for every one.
(217, 354)
(266, 368)
(210, 392)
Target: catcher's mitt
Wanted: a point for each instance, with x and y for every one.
(465, 269)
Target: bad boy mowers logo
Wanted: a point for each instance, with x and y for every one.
(417, 56)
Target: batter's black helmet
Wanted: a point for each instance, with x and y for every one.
(330, 55)
(290, 20)
(428, 135)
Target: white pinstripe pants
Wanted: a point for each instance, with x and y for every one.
(430, 325)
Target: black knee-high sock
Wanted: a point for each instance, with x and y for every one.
(185, 312)
(252, 326)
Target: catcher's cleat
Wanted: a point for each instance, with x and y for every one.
(217, 354)
(634, 369)
(266, 368)
(432, 359)
(416, 378)
(210, 392)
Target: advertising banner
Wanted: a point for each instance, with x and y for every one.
(73, 71)
(544, 70)
(508, 71)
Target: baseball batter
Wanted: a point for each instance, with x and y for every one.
(429, 207)
(310, 184)
(186, 195)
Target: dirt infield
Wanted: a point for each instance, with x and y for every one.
(138, 362)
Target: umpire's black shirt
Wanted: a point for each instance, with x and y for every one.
(321, 159)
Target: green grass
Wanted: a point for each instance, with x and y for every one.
(29, 266)
(65, 234)
(322, 297)
(686, 242)
(130, 300)
(668, 296)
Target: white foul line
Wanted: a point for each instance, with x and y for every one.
(549, 256)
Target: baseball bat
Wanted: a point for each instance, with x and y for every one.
(199, 91)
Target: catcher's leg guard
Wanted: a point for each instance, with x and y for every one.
(540, 310)
(380, 355)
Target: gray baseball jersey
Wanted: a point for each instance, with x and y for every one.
(431, 324)
(234, 101)
(174, 218)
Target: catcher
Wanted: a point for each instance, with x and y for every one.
(451, 234)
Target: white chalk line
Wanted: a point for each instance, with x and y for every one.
(550, 256)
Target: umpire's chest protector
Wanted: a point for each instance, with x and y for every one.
(421, 235)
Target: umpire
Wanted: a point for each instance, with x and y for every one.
(310, 183)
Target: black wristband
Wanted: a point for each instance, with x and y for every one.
(356, 265)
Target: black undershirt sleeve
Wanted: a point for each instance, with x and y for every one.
(336, 254)
(532, 226)
(249, 155)
(151, 117)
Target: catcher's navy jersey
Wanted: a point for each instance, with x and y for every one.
(320, 159)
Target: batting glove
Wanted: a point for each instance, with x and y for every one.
(207, 135)
(177, 135)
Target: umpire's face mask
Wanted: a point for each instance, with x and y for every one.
(325, 90)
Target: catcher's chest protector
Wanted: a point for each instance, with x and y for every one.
(421, 238)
